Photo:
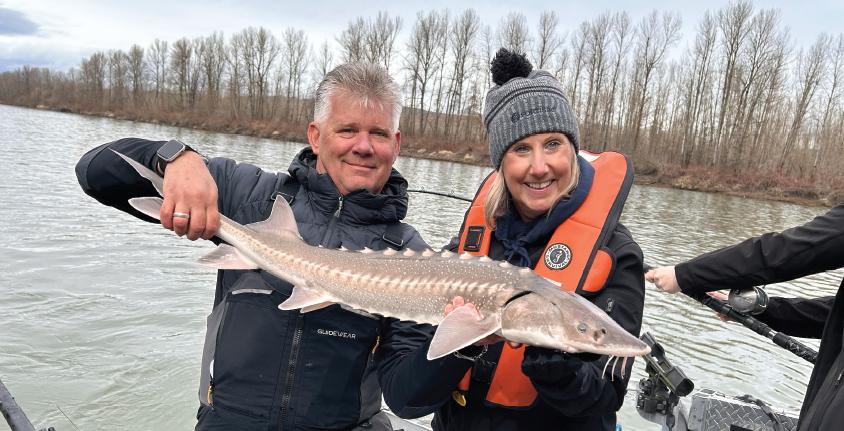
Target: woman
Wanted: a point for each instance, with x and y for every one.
(548, 209)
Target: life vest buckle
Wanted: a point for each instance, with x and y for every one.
(474, 237)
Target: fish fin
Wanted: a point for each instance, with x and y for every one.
(227, 257)
(305, 297)
(150, 206)
(280, 221)
(459, 329)
(156, 180)
(316, 307)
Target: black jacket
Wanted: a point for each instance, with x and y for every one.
(814, 247)
(276, 369)
(573, 395)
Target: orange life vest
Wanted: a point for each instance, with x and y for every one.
(575, 257)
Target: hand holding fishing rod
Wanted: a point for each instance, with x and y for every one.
(667, 282)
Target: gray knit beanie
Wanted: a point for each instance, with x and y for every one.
(524, 103)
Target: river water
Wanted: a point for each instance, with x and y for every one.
(102, 316)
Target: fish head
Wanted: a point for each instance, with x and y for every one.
(567, 322)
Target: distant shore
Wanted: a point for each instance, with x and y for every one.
(709, 181)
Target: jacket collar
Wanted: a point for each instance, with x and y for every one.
(360, 206)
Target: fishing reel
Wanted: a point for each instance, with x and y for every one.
(751, 301)
(661, 390)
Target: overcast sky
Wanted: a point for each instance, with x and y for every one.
(58, 34)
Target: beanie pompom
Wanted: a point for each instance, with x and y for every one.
(508, 65)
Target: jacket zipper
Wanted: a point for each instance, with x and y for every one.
(333, 222)
(297, 335)
(291, 368)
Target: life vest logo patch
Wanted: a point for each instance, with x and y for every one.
(558, 256)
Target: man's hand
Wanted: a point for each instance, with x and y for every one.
(664, 278)
(190, 190)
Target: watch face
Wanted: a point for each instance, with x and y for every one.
(171, 150)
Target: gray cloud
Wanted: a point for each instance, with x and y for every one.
(15, 23)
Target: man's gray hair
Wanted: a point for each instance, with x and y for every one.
(370, 82)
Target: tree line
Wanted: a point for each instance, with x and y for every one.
(741, 101)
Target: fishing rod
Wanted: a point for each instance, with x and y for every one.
(10, 409)
(750, 322)
(448, 195)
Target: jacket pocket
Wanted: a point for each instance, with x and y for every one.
(245, 334)
(334, 374)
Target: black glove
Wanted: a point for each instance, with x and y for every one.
(549, 365)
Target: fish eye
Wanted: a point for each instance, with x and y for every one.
(581, 327)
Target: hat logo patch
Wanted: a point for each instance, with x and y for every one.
(516, 116)
(558, 256)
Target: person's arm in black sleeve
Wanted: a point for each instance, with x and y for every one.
(774, 257)
(575, 385)
(798, 317)
(413, 386)
(107, 178)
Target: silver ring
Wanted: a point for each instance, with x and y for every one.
(177, 214)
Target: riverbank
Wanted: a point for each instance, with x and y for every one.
(765, 187)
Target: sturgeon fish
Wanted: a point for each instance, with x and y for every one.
(510, 301)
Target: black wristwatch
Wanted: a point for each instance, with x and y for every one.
(170, 151)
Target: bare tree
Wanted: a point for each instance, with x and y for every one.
(655, 36)
(577, 58)
(380, 39)
(182, 63)
(428, 35)
(118, 68)
(295, 63)
(137, 74)
(698, 83)
(733, 22)
(93, 72)
(597, 44)
(323, 63)
(353, 41)
(828, 143)
(236, 73)
(212, 59)
(513, 33)
(547, 42)
(463, 34)
(755, 59)
(621, 35)
(811, 71)
(159, 52)
(260, 50)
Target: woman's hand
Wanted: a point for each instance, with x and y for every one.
(458, 301)
(664, 279)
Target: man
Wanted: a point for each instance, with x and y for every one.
(262, 368)
(814, 247)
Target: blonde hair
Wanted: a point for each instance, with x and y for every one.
(498, 199)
